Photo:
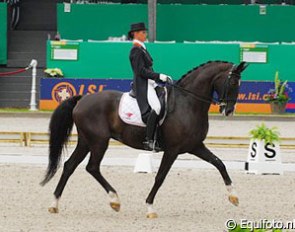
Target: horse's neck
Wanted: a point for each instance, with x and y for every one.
(201, 85)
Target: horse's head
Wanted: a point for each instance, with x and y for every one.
(227, 88)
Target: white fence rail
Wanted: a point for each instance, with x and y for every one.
(33, 138)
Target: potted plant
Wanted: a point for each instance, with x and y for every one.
(279, 96)
(53, 72)
(264, 151)
(265, 134)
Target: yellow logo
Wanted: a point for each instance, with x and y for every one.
(62, 91)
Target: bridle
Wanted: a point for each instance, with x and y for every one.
(223, 101)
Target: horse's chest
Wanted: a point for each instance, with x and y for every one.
(202, 131)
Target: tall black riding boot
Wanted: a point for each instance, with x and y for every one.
(152, 122)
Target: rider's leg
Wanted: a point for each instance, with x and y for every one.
(151, 126)
(152, 97)
(153, 119)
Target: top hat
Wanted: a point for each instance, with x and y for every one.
(136, 27)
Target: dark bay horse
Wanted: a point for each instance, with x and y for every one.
(183, 131)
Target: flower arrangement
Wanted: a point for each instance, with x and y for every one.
(54, 72)
(280, 94)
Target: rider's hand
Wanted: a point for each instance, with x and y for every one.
(165, 78)
(169, 80)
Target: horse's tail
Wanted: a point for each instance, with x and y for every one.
(60, 128)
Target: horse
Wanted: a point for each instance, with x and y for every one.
(183, 131)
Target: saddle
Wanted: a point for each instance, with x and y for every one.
(129, 110)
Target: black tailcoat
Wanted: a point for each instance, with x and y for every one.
(142, 66)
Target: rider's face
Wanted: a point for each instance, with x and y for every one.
(140, 35)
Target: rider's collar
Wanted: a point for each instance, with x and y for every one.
(136, 41)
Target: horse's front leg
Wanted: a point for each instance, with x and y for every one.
(204, 153)
(166, 163)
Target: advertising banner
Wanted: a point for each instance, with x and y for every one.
(62, 50)
(253, 53)
(250, 99)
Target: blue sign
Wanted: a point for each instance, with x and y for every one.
(55, 90)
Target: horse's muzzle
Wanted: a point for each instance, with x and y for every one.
(227, 112)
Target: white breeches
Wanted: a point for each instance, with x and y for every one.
(152, 97)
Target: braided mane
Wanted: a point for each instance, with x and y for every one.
(200, 66)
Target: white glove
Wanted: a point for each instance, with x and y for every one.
(165, 78)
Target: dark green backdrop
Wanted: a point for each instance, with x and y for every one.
(110, 60)
(181, 22)
(3, 33)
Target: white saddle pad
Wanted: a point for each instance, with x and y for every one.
(129, 111)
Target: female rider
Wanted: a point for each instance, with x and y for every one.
(144, 82)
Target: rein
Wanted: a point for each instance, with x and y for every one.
(197, 97)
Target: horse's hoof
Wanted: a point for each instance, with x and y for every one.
(152, 215)
(234, 200)
(53, 210)
(115, 206)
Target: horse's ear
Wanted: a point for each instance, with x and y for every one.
(242, 66)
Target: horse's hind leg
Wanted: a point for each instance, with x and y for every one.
(204, 153)
(70, 165)
(93, 167)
